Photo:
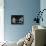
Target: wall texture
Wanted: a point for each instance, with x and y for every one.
(19, 7)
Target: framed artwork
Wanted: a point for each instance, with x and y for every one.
(17, 19)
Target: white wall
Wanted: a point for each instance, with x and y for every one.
(1, 20)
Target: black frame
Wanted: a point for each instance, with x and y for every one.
(18, 19)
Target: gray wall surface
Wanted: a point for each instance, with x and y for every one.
(43, 6)
(19, 7)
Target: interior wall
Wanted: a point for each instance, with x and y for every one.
(1, 20)
(28, 8)
(43, 6)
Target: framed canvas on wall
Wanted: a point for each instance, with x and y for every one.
(17, 19)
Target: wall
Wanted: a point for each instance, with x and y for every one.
(43, 6)
(19, 7)
(1, 20)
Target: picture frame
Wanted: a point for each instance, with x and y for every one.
(17, 19)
